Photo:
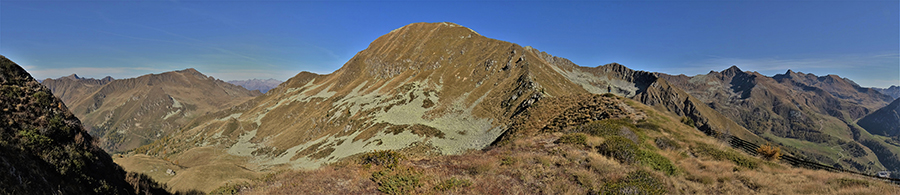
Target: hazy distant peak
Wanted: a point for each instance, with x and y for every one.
(254, 84)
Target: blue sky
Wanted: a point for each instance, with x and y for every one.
(278, 39)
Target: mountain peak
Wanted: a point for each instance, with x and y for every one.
(733, 68)
(426, 25)
(732, 71)
(73, 76)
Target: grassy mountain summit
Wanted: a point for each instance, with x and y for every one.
(128, 113)
(430, 88)
(45, 150)
(432, 97)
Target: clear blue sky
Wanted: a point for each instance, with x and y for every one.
(278, 39)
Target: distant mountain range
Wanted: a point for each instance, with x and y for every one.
(812, 115)
(893, 91)
(257, 84)
(128, 113)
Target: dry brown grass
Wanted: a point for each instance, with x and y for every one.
(540, 164)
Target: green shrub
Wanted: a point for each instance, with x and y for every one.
(382, 158)
(572, 138)
(657, 162)
(43, 98)
(608, 127)
(452, 183)
(740, 160)
(401, 181)
(33, 139)
(666, 143)
(619, 148)
(11, 91)
(507, 160)
(637, 182)
(688, 121)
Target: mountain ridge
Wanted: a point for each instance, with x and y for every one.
(128, 113)
(45, 150)
(792, 108)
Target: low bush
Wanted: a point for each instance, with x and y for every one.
(688, 121)
(769, 152)
(43, 98)
(452, 183)
(666, 143)
(572, 138)
(33, 139)
(657, 162)
(382, 158)
(619, 148)
(400, 181)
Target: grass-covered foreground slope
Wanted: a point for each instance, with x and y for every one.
(45, 150)
(584, 144)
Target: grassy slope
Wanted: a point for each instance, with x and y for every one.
(536, 164)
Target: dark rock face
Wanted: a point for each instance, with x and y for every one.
(884, 121)
(43, 148)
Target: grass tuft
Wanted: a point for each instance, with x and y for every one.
(847, 182)
(572, 138)
(740, 160)
(657, 162)
(637, 182)
(400, 181)
(452, 183)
